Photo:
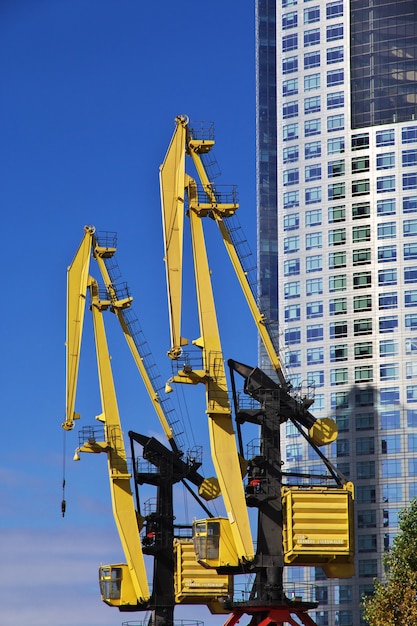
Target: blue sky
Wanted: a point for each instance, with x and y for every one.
(90, 89)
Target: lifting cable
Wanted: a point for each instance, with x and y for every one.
(63, 501)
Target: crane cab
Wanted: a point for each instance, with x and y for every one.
(213, 543)
(116, 587)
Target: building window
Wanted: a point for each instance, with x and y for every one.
(313, 217)
(335, 100)
(291, 199)
(314, 309)
(388, 324)
(361, 257)
(292, 290)
(410, 251)
(388, 300)
(338, 306)
(336, 145)
(312, 37)
(389, 371)
(314, 286)
(361, 280)
(312, 105)
(291, 177)
(390, 444)
(411, 321)
(410, 274)
(387, 276)
(410, 298)
(290, 87)
(311, 82)
(338, 329)
(409, 135)
(289, 42)
(409, 158)
(312, 172)
(293, 358)
(385, 137)
(365, 469)
(313, 240)
(289, 20)
(292, 313)
(315, 332)
(367, 543)
(363, 350)
(387, 254)
(291, 267)
(315, 356)
(336, 191)
(290, 109)
(338, 353)
(360, 164)
(291, 244)
(386, 207)
(290, 65)
(334, 55)
(335, 77)
(290, 132)
(362, 303)
(339, 376)
(314, 263)
(367, 519)
(387, 230)
(292, 335)
(337, 260)
(385, 161)
(334, 9)
(337, 283)
(312, 127)
(312, 150)
(313, 195)
(311, 14)
(290, 154)
(363, 373)
(311, 59)
(410, 181)
(360, 141)
(410, 204)
(335, 122)
(337, 237)
(365, 494)
(390, 419)
(391, 468)
(360, 187)
(361, 233)
(292, 221)
(385, 184)
(334, 32)
(336, 168)
(337, 214)
(409, 228)
(362, 327)
(388, 347)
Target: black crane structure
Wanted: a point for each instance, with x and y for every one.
(267, 602)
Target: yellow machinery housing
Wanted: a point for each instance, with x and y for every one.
(318, 528)
(116, 586)
(213, 543)
(195, 584)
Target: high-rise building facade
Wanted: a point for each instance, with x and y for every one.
(337, 250)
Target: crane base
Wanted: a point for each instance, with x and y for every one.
(277, 615)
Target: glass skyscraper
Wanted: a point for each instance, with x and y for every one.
(337, 251)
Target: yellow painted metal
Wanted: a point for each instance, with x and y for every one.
(318, 528)
(122, 500)
(225, 457)
(172, 173)
(77, 278)
(116, 585)
(117, 308)
(195, 584)
(214, 543)
(323, 431)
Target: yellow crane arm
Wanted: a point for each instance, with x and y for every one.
(172, 183)
(77, 278)
(118, 307)
(122, 499)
